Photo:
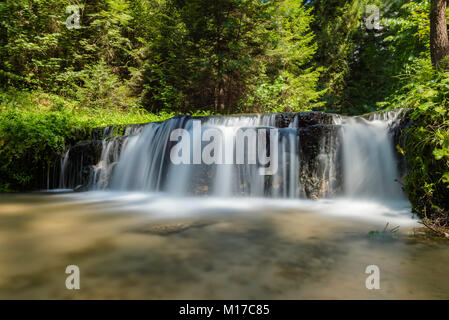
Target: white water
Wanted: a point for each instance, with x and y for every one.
(163, 206)
(356, 170)
(370, 169)
(144, 164)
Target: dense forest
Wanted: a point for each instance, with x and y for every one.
(69, 66)
(220, 56)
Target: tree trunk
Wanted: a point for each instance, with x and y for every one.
(439, 45)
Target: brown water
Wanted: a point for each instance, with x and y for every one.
(269, 254)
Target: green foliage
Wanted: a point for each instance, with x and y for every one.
(335, 24)
(168, 55)
(27, 144)
(31, 32)
(35, 128)
(102, 88)
(31, 140)
(427, 140)
(380, 56)
(234, 55)
(172, 55)
(360, 66)
(288, 82)
(40, 52)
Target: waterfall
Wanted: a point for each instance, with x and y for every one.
(318, 156)
(370, 168)
(64, 164)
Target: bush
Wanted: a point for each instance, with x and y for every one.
(427, 141)
(102, 88)
(29, 143)
(35, 128)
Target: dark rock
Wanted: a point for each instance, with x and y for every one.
(305, 119)
(398, 130)
(165, 229)
(283, 120)
(316, 143)
(80, 188)
(81, 159)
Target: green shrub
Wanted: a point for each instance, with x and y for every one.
(35, 128)
(427, 140)
(29, 143)
(102, 88)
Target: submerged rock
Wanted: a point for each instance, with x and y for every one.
(164, 229)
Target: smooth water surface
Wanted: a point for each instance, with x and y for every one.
(144, 246)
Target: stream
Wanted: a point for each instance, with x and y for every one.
(304, 217)
(127, 247)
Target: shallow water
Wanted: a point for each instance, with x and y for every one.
(144, 246)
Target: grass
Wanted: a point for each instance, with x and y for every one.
(84, 116)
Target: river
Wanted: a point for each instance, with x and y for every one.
(153, 246)
(324, 218)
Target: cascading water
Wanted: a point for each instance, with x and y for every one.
(348, 165)
(63, 175)
(144, 162)
(319, 156)
(370, 168)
